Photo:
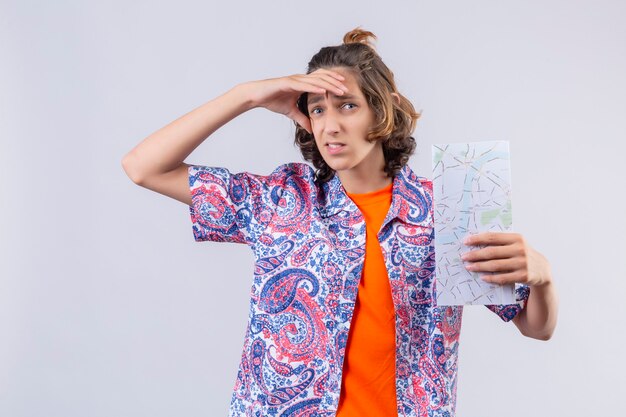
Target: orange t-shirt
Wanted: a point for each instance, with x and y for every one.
(368, 386)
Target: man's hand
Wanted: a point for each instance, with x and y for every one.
(509, 257)
(511, 260)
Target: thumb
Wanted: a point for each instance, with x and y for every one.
(303, 121)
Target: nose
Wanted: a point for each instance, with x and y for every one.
(331, 121)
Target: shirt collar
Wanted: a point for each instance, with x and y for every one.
(411, 198)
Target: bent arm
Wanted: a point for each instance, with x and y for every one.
(157, 163)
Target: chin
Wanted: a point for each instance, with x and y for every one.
(338, 167)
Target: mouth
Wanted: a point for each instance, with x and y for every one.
(334, 147)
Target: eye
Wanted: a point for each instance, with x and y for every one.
(314, 109)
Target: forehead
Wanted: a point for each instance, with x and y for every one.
(354, 91)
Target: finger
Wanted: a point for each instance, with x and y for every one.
(320, 87)
(491, 238)
(503, 278)
(328, 83)
(336, 87)
(490, 252)
(327, 71)
(497, 265)
(307, 87)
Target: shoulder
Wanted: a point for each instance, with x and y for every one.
(294, 169)
(423, 181)
(292, 174)
(411, 178)
(426, 184)
(279, 175)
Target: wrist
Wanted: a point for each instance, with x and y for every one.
(241, 92)
(546, 284)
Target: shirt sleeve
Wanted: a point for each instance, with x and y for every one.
(228, 207)
(508, 311)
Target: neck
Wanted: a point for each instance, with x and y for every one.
(362, 182)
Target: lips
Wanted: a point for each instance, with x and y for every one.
(335, 147)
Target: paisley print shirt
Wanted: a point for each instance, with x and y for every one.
(309, 245)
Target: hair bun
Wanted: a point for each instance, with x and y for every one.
(358, 35)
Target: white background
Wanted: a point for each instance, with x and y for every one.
(108, 307)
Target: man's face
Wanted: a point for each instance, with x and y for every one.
(340, 124)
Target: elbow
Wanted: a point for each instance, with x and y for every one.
(129, 168)
(548, 333)
(543, 335)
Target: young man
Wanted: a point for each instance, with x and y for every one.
(342, 313)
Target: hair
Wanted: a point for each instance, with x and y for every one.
(394, 122)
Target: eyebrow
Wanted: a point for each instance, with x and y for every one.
(319, 98)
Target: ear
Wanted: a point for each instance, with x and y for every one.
(396, 97)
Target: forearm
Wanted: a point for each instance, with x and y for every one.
(168, 147)
(538, 318)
